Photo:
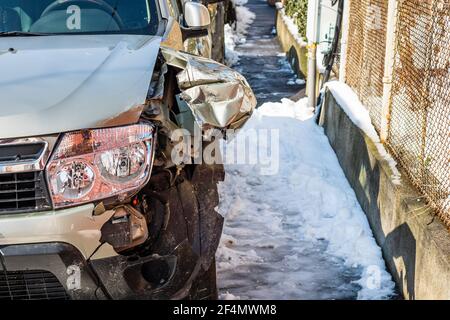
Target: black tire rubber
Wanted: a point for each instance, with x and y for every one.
(190, 203)
(205, 180)
(204, 286)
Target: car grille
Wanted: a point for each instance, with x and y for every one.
(21, 152)
(23, 192)
(31, 285)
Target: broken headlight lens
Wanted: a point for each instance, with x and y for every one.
(74, 179)
(121, 164)
(94, 165)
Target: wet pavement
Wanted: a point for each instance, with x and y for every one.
(262, 61)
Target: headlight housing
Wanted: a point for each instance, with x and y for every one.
(94, 165)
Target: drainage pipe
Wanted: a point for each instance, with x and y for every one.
(311, 35)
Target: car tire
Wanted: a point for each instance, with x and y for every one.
(204, 286)
(192, 220)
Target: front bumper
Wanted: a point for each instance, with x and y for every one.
(153, 277)
(59, 242)
(66, 244)
(77, 226)
(75, 279)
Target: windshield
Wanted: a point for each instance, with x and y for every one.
(78, 16)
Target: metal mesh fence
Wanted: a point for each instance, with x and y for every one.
(365, 53)
(419, 130)
(419, 102)
(337, 58)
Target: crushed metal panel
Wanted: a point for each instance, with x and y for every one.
(217, 95)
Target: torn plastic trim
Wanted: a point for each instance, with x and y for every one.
(126, 229)
(168, 276)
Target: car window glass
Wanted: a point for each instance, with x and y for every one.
(79, 16)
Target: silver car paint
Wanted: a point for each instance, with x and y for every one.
(62, 83)
(77, 226)
(217, 95)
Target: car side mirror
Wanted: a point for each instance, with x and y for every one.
(196, 20)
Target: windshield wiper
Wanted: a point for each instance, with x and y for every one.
(22, 34)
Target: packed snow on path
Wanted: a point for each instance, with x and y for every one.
(235, 34)
(298, 234)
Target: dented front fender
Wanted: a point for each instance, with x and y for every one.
(217, 95)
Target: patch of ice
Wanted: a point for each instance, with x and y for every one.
(274, 31)
(296, 81)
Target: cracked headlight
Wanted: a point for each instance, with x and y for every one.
(100, 164)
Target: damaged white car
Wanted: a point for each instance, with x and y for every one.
(92, 204)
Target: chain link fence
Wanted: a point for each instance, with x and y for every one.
(418, 114)
(366, 51)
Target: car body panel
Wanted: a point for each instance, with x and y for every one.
(53, 84)
(77, 226)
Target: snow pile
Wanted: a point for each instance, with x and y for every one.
(293, 28)
(235, 34)
(359, 115)
(298, 234)
(231, 56)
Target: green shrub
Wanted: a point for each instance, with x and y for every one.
(298, 11)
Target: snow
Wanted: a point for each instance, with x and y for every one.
(296, 81)
(359, 115)
(228, 296)
(240, 2)
(231, 56)
(292, 27)
(235, 34)
(300, 233)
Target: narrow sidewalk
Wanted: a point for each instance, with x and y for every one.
(300, 233)
(262, 61)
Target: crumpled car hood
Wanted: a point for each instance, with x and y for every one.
(62, 83)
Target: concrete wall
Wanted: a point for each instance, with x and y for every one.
(415, 245)
(296, 53)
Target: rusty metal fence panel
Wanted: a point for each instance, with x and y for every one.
(419, 130)
(419, 102)
(365, 53)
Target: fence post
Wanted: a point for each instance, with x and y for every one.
(391, 40)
